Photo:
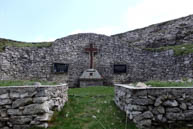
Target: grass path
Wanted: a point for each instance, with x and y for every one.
(90, 108)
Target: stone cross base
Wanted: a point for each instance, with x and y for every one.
(90, 77)
(86, 83)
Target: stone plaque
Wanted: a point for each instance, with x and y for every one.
(120, 68)
(60, 68)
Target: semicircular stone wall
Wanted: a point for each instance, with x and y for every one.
(22, 107)
(128, 49)
(156, 107)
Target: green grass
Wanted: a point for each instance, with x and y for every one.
(23, 82)
(169, 84)
(6, 42)
(90, 108)
(182, 49)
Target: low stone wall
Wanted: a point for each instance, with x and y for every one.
(22, 107)
(156, 107)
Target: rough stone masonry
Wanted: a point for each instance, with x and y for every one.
(156, 107)
(127, 49)
(22, 107)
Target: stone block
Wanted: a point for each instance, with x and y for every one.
(142, 102)
(14, 95)
(43, 118)
(20, 120)
(12, 112)
(21, 102)
(173, 110)
(4, 96)
(33, 109)
(21, 126)
(170, 103)
(40, 99)
(5, 101)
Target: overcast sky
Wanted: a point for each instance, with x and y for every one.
(47, 20)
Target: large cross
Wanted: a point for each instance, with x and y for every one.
(91, 50)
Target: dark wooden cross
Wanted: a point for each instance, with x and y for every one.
(91, 50)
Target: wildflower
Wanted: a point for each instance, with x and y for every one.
(94, 116)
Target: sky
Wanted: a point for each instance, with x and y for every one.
(47, 20)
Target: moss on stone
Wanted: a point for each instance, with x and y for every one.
(179, 50)
(6, 42)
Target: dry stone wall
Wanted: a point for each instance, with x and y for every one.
(156, 107)
(26, 106)
(127, 48)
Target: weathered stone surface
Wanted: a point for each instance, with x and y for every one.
(21, 102)
(21, 119)
(183, 106)
(159, 117)
(3, 112)
(170, 103)
(44, 117)
(142, 101)
(5, 101)
(137, 107)
(158, 101)
(4, 96)
(145, 115)
(35, 109)
(40, 99)
(137, 49)
(175, 116)
(159, 110)
(188, 115)
(21, 126)
(173, 106)
(5, 128)
(14, 95)
(173, 110)
(14, 112)
(144, 123)
(21, 107)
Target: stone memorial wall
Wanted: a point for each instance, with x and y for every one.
(156, 107)
(131, 49)
(22, 107)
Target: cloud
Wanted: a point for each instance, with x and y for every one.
(146, 12)
(149, 12)
(109, 30)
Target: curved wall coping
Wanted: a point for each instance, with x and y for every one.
(34, 86)
(134, 87)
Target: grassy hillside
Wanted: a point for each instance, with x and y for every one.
(179, 50)
(90, 108)
(6, 42)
